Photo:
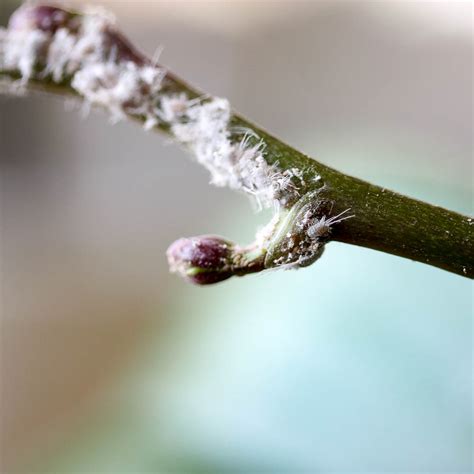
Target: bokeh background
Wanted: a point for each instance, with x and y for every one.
(362, 362)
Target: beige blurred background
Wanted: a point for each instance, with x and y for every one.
(381, 90)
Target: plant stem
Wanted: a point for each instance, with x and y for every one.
(383, 220)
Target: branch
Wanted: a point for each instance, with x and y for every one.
(83, 55)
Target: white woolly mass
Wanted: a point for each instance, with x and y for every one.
(126, 88)
(21, 49)
(118, 87)
(122, 87)
(173, 107)
(89, 47)
(204, 128)
(59, 54)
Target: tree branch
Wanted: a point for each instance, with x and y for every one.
(314, 203)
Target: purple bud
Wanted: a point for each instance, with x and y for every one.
(201, 260)
(42, 17)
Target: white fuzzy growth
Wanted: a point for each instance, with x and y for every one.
(121, 88)
(204, 128)
(89, 46)
(59, 54)
(21, 50)
(173, 107)
(126, 88)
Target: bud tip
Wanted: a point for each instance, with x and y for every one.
(202, 260)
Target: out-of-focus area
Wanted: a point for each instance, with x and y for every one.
(362, 362)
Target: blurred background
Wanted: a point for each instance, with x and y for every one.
(362, 362)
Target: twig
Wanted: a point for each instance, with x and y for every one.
(69, 53)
